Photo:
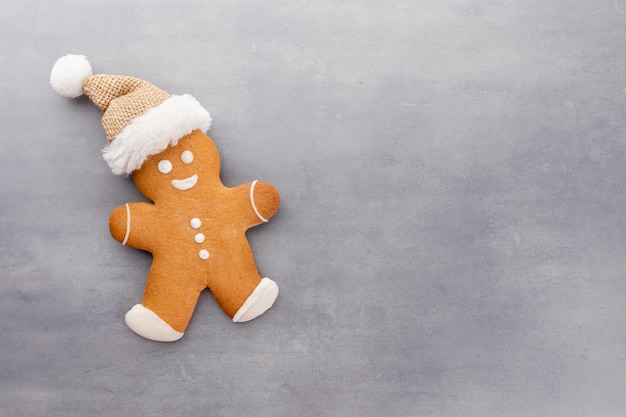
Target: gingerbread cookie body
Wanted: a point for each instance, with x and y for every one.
(195, 226)
(196, 232)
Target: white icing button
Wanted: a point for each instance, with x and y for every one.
(199, 237)
(195, 223)
(203, 254)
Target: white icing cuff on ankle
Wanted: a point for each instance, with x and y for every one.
(257, 303)
(146, 323)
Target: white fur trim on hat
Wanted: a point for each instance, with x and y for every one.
(153, 131)
(68, 74)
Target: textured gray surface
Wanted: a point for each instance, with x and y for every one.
(451, 240)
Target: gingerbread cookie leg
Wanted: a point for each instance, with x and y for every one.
(168, 302)
(238, 287)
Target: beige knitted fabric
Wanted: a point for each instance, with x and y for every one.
(122, 99)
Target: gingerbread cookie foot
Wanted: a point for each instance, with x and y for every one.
(261, 299)
(146, 323)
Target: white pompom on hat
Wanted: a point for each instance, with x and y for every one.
(139, 119)
(68, 75)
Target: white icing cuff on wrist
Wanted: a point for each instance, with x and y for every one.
(257, 303)
(127, 225)
(256, 211)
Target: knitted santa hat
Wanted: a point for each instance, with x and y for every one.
(139, 119)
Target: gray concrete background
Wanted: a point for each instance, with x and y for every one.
(451, 240)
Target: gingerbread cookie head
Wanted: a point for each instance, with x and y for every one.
(189, 168)
(195, 226)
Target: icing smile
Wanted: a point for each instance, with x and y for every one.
(186, 183)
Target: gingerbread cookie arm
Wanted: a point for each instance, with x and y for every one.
(133, 224)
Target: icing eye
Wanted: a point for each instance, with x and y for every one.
(164, 166)
(186, 157)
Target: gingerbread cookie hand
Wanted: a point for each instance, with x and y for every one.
(132, 224)
(264, 199)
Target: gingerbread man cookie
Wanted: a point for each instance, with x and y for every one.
(195, 226)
